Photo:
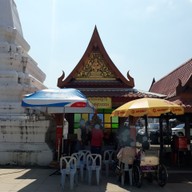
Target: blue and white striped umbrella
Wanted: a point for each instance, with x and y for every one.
(66, 100)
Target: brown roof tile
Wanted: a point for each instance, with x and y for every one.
(118, 92)
(168, 84)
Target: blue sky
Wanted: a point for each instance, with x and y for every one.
(149, 38)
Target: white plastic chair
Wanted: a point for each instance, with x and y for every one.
(80, 157)
(85, 153)
(126, 168)
(68, 166)
(93, 164)
(108, 159)
(126, 158)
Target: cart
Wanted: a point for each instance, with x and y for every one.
(147, 166)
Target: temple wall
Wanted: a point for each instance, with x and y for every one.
(26, 142)
(26, 135)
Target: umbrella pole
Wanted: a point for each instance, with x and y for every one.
(58, 149)
(146, 126)
(161, 138)
(62, 142)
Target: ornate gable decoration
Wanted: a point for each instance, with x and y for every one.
(95, 65)
(95, 68)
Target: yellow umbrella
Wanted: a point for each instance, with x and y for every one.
(152, 107)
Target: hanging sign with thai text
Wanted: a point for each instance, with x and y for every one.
(101, 102)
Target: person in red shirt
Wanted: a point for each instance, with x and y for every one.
(96, 139)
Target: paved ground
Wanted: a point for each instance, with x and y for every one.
(44, 180)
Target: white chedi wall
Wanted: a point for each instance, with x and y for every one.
(25, 139)
(23, 142)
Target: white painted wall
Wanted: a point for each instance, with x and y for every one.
(23, 140)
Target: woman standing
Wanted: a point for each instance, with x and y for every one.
(96, 139)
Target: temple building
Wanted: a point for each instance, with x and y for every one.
(177, 86)
(101, 81)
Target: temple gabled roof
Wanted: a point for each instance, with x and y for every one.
(175, 82)
(95, 69)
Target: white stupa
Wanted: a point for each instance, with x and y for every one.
(25, 135)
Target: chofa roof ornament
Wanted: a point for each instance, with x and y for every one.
(131, 79)
(60, 79)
